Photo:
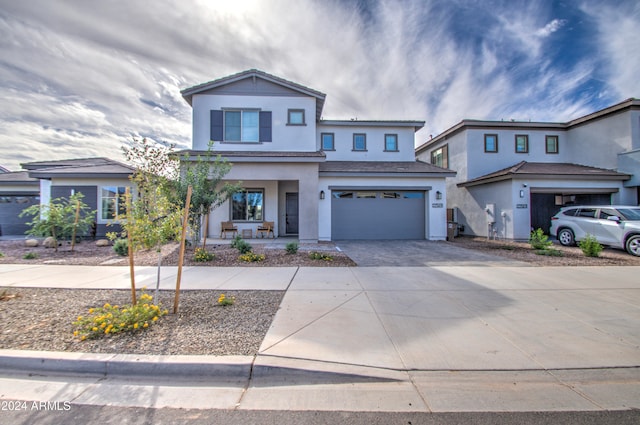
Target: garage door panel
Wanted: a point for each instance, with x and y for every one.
(379, 218)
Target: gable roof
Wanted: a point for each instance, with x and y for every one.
(547, 170)
(79, 168)
(188, 93)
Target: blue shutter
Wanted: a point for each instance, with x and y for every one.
(265, 126)
(216, 126)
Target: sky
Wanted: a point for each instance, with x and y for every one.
(81, 78)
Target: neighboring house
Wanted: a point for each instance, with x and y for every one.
(315, 179)
(102, 181)
(17, 192)
(513, 176)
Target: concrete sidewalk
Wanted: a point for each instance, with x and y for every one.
(439, 339)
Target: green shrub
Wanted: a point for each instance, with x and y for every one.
(223, 300)
(121, 247)
(539, 240)
(250, 257)
(320, 256)
(30, 256)
(241, 245)
(201, 255)
(108, 319)
(1, 254)
(590, 246)
(291, 248)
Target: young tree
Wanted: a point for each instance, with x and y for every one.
(205, 175)
(58, 218)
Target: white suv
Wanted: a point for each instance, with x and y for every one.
(616, 226)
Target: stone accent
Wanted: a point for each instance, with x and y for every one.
(103, 242)
(31, 243)
(50, 242)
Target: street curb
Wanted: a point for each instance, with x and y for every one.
(52, 362)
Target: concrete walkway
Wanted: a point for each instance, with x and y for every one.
(434, 339)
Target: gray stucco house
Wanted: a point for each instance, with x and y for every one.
(315, 179)
(513, 176)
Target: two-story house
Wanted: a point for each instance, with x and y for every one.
(513, 176)
(315, 179)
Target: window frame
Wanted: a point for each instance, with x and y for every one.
(524, 137)
(295, 111)
(364, 136)
(395, 137)
(333, 141)
(242, 112)
(549, 137)
(120, 203)
(246, 207)
(444, 149)
(486, 138)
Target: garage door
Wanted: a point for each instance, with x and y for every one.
(10, 208)
(381, 214)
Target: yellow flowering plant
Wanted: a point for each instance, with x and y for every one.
(250, 257)
(223, 300)
(112, 319)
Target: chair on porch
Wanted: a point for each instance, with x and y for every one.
(227, 226)
(266, 228)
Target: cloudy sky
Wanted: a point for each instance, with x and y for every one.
(80, 78)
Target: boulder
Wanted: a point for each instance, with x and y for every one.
(31, 243)
(50, 243)
(103, 242)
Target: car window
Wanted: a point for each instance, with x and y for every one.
(605, 213)
(630, 213)
(570, 212)
(587, 212)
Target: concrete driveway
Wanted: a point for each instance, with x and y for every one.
(414, 253)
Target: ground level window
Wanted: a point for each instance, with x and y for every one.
(247, 205)
(112, 202)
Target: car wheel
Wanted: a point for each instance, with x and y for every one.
(633, 245)
(566, 238)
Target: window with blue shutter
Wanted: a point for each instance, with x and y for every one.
(216, 126)
(265, 126)
(241, 125)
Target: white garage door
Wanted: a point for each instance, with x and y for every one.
(377, 214)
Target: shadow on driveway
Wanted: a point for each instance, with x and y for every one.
(417, 253)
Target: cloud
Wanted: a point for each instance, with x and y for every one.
(89, 75)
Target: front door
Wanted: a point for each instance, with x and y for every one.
(291, 213)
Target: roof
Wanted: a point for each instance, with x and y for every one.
(18, 178)
(259, 156)
(630, 103)
(188, 93)
(417, 125)
(79, 168)
(381, 168)
(3, 169)
(547, 170)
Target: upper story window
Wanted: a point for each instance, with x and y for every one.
(440, 156)
(240, 125)
(359, 142)
(328, 141)
(112, 202)
(391, 143)
(551, 144)
(295, 117)
(491, 143)
(522, 143)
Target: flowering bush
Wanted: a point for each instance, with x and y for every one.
(250, 257)
(320, 256)
(201, 255)
(111, 319)
(223, 300)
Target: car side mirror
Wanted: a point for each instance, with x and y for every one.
(614, 218)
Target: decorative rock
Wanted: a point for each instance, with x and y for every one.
(31, 243)
(49, 242)
(103, 242)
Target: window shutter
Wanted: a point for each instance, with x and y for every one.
(216, 125)
(265, 126)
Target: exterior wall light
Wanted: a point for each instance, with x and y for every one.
(438, 195)
(521, 193)
(322, 194)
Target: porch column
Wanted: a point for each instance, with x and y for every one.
(308, 196)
